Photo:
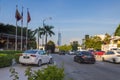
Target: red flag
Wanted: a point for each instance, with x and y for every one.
(22, 16)
(17, 15)
(28, 17)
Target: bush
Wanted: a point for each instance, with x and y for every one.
(5, 60)
(7, 56)
(10, 52)
(49, 73)
(16, 57)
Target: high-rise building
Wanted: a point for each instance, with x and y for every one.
(59, 39)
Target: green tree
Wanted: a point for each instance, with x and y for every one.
(31, 39)
(11, 29)
(74, 45)
(39, 32)
(8, 29)
(65, 48)
(107, 39)
(47, 31)
(50, 46)
(93, 42)
(117, 31)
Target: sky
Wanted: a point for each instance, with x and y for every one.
(72, 18)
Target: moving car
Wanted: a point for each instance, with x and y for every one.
(37, 57)
(84, 57)
(112, 56)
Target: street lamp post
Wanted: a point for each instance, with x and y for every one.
(49, 18)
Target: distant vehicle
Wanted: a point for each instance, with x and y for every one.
(71, 52)
(99, 53)
(112, 56)
(84, 57)
(115, 49)
(92, 51)
(62, 53)
(37, 57)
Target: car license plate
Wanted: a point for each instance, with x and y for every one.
(26, 57)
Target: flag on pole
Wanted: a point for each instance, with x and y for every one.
(28, 17)
(17, 15)
(22, 15)
(22, 29)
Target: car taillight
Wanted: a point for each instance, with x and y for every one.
(33, 55)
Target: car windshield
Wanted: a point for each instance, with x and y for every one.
(86, 53)
(30, 51)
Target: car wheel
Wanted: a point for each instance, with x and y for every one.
(93, 62)
(80, 61)
(51, 61)
(103, 59)
(39, 63)
(75, 60)
(22, 64)
(114, 61)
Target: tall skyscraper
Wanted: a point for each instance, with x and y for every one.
(59, 39)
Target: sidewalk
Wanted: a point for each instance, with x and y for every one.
(5, 73)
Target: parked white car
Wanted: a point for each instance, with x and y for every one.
(112, 56)
(71, 52)
(37, 57)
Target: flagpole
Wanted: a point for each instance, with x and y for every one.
(38, 38)
(28, 20)
(16, 35)
(18, 17)
(22, 29)
(27, 30)
(26, 35)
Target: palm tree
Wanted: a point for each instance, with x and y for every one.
(31, 39)
(47, 31)
(39, 32)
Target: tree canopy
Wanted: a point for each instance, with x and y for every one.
(117, 31)
(11, 29)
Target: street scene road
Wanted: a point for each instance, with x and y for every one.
(76, 30)
(75, 71)
(98, 71)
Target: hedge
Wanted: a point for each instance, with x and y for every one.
(5, 60)
(7, 56)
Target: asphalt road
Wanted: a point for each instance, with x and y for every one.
(98, 71)
(75, 71)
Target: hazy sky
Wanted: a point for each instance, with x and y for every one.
(73, 18)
